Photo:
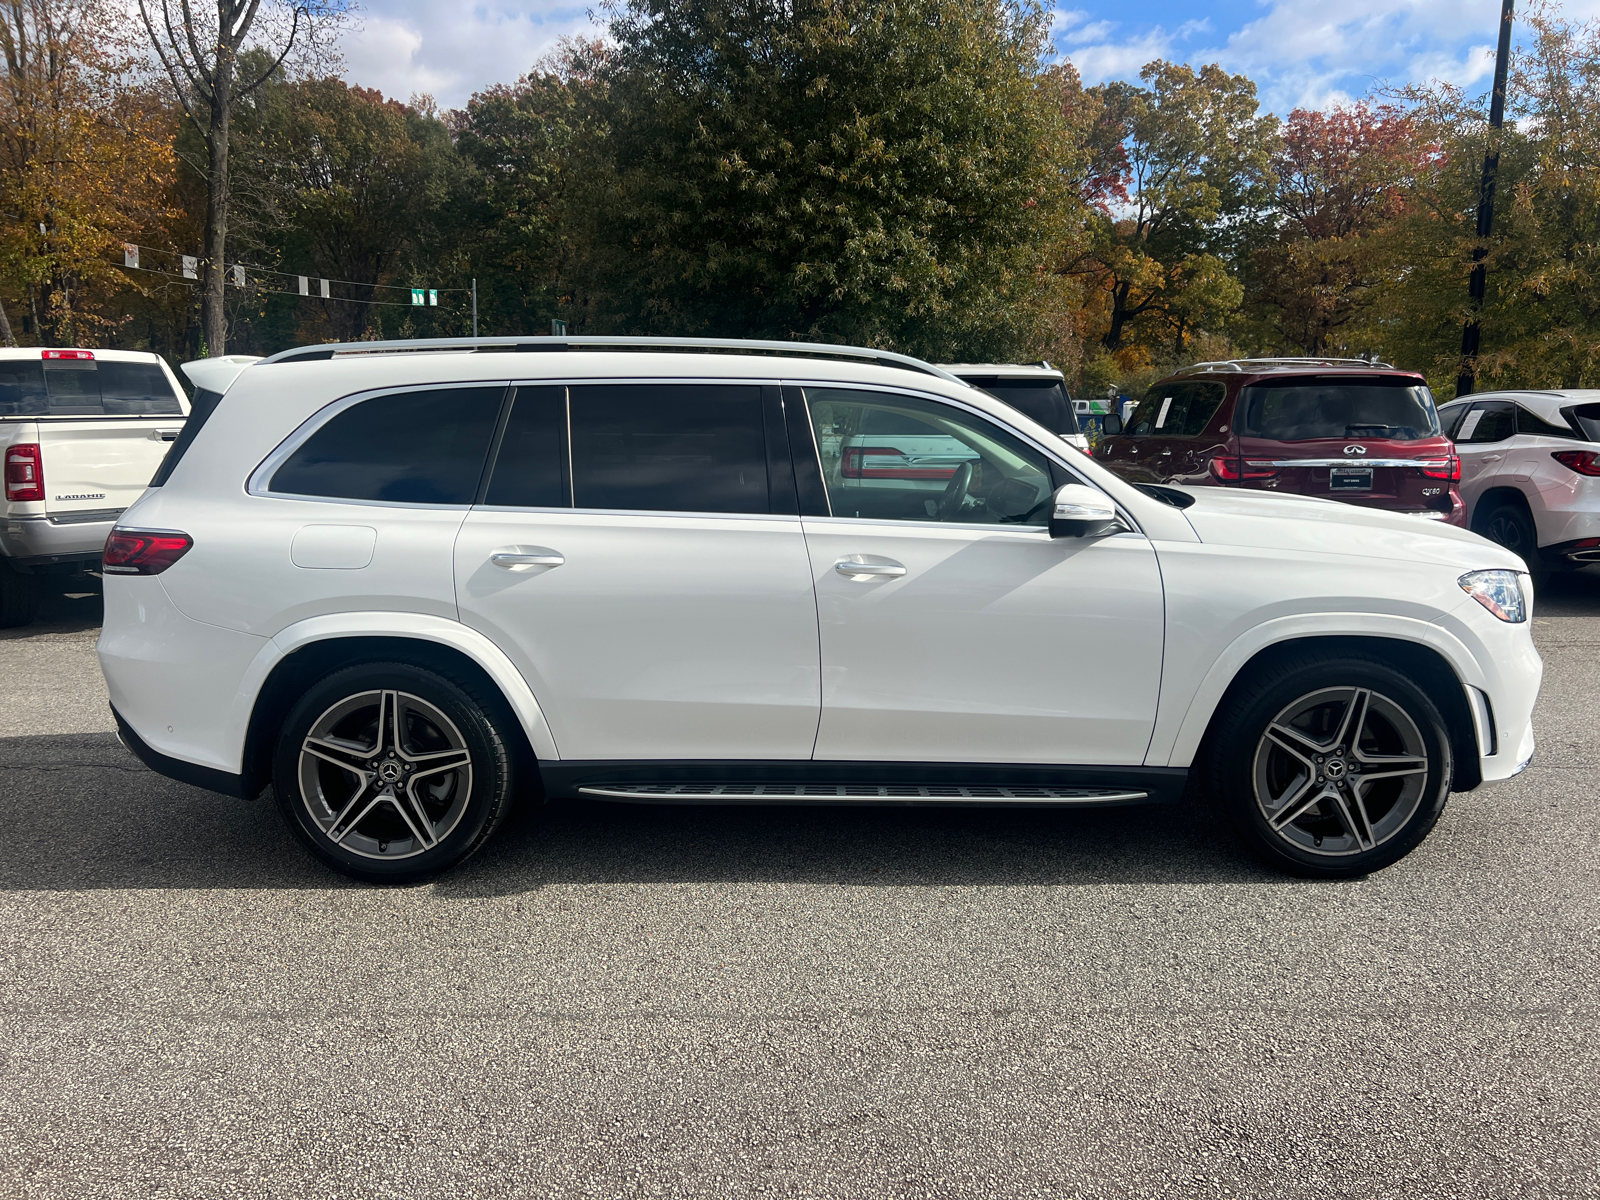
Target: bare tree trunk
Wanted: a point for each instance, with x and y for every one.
(213, 310)
(6, 336)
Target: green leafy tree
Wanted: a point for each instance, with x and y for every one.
(1191, 157)
(832, 169)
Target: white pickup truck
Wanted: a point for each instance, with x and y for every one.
(81, 433)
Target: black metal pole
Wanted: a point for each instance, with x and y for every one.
(1470, 334)
(475, 304)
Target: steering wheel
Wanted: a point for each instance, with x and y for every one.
(955, 492)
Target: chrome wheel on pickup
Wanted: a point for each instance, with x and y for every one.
(1329, 765)
(391, 772)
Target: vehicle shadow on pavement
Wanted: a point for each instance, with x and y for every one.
(83, 814)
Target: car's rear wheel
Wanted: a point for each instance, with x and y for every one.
(392, 773)
(1330, 766)
(19, 597)
(1510, 524)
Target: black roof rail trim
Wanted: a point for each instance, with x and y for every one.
(882, 358)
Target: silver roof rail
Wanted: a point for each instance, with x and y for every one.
(883, 358)
(1284, 363)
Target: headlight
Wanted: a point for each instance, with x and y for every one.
(1498, 591)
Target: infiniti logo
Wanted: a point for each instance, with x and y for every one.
(1355, 449)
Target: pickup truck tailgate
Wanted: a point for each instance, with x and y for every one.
(95, 465)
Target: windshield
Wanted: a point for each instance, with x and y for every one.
(1305, 410)
(1045, 400)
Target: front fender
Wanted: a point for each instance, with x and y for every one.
(1177, 736)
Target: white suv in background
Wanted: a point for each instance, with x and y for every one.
(81, 433)
(404, 582)
(1530, 472)
(1036, 390)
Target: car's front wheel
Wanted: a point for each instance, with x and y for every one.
(1330, 766)
(391, 773)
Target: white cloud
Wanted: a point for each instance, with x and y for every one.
(403, 47)
(1309, 52)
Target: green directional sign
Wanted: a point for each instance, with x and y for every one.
(416, 296)
(433, 297)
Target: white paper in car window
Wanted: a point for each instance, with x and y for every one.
(1161, 417)
(1469, 424)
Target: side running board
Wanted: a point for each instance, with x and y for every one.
(834, 793)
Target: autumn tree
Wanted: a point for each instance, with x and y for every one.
(200, 44)
(832, 170)
(1191, 157)
(84, 162)
(1343, 177)
(534, 160)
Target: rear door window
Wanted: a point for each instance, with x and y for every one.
(669, 447)
(1176, 409)
(1490, 421)
(1303, 410)
(423, 447)
(531, 467)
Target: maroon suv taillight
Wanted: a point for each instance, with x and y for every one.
(1584, 462)
(135, 552)
(1232, 470)
(24, 472)
(1442, 468)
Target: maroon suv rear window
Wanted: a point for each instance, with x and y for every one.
(1302, 410)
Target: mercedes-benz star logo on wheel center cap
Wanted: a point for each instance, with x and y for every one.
(1355, 449)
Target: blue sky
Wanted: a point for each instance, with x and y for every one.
(1301, 52)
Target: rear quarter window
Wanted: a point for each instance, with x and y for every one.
(423, 447)
(1587, 417)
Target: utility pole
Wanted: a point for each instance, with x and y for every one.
(1468, 378)
(475, 297)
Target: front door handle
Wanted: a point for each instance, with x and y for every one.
(861, 567)
(523, 558)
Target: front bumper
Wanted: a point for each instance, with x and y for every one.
(66, 537)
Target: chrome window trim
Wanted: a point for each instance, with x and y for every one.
(633, 513)
(258, 479)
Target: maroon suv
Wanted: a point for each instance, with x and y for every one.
(1338, 428)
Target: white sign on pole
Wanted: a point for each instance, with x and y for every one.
(130, 255)
(325, 292)
(191, 267)
(305, 285)
(238, 275)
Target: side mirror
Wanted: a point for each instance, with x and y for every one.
(1111, 424)
(1080, 511)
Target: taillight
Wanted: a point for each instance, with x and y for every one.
(68, 356)
(856, 466)
(24, 472)
(1584, 462)
(132, 552)
(1232, 470)
(1441, 468)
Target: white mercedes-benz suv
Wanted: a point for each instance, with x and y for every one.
(404, 583)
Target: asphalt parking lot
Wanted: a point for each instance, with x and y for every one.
(617, 1002)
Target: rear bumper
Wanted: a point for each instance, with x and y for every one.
(68, 537)
(175, 768)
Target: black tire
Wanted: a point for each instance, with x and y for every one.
(440, 720)
(19, 597)
(1246, 774)
(1511, 525)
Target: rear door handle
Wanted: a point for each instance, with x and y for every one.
(523, 558)
(860, 567)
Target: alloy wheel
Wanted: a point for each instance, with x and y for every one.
(385, 774)
(1340, 771)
